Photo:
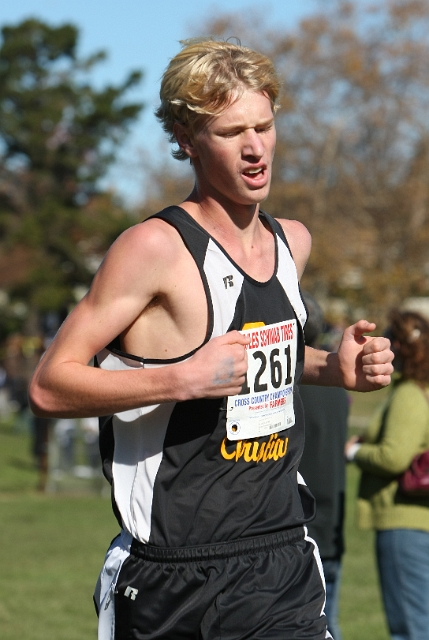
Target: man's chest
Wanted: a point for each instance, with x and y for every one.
(176, 319)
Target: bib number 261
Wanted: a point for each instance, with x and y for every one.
(274, 370)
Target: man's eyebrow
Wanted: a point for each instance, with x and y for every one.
(265, 123)
(240, 125)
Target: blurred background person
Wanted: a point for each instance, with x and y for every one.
(41, 429)
(323, 467)
(65, 431)
(398, 432)
(90, 432)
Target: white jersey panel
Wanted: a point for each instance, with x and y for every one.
(288, 278)
(139, 439)
(225, 282)
(138, 455)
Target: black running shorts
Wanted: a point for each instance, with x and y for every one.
(266, 587)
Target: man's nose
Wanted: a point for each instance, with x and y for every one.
(253, 145)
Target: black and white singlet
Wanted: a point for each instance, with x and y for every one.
(178, 479)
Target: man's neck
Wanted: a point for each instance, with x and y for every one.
(225, 221)
(240, 232)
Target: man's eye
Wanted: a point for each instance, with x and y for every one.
(263, 129)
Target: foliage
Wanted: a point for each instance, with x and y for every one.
(58, 137)
(352, 159)
(167, 182)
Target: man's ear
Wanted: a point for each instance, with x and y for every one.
(184, 140)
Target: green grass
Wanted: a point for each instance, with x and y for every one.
(51, 550)
(52, 547)
(361, 611)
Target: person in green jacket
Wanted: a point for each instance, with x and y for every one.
(398, 432)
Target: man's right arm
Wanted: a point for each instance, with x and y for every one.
(64, 385)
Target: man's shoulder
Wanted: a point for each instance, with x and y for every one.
(294, 229)
(153, 236)
(299, 241)
(140, 263)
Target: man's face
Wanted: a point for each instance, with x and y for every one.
(232, 154)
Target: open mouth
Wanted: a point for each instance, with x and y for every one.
(254, 172)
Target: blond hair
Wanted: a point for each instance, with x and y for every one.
(205, 77)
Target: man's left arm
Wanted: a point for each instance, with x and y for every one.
(362, 363)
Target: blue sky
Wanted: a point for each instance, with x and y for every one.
(141, 34)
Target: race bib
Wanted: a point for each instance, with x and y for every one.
(265, 403)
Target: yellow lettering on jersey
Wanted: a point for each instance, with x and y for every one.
(255, 451)
(252, 325)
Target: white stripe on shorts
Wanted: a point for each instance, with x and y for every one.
(116, 555)
(322, 575)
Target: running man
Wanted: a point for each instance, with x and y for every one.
(195, 320)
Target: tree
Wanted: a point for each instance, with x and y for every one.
(357, 135)
(166, 182)
(58, 137)
(352, 158)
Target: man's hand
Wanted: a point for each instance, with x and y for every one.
(365, 362)
(218, 368)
